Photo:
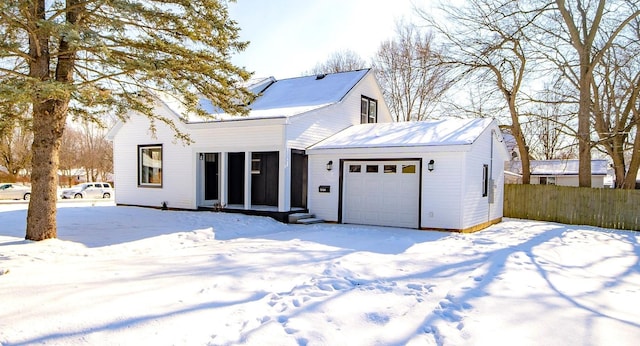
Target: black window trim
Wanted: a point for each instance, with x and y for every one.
(139, 168)
(485, 180)
(369, 100)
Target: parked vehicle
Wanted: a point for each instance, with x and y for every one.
(88, 190)
(13, 191)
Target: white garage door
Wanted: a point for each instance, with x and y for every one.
(384, 193)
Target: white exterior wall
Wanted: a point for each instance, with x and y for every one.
(307, 129)
(323, 205)
(179, 161)
(478, 208)
(441, 189)
(369, 87)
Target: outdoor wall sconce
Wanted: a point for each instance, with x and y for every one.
(201, 156)
(329, 165)
(430, 165)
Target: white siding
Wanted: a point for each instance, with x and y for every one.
(370, 88)
(307, 129)
(442, 190)
(323, 205)
(487, 149)
(238, 139)
(177, 167)
(179, 188)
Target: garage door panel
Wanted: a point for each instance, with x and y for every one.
(381, 193)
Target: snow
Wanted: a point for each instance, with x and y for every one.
(288, 97)
(405, 134)
(126, 275)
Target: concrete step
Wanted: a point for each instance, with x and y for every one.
(293, 218)
(309, 221)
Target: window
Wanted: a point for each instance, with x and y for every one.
(355, 168)
(368, 110)
(150, 165)
(485, 180)
(547, 180)
(390, 168)
(372, 168)
(408, 169)
(255, 165)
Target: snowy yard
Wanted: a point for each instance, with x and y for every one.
(123, 275)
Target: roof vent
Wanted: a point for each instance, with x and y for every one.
(320, 76)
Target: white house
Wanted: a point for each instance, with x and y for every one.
(255, 162)
(275, 160)
(560, 172)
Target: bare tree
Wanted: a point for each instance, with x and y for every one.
(591, 28)
(95, 151)
(486, 43)
(340, 61)
(616, 115)
(548, 132)
(15, 139)
(70, 154)
(407, 68)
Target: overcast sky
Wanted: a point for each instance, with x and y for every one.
(289, 37)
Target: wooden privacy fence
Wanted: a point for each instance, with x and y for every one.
(609, 208)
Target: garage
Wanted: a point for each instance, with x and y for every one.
(432, 175)
(385, 192)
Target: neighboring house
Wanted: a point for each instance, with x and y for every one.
(267, 161)
(560, 172)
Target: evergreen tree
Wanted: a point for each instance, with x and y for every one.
(84, 58)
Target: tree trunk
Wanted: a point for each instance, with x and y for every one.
(48, 125)
(49, 117)
(584, 123)
(634, 164)
(523, 149)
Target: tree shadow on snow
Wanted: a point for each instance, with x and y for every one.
(356, 238)
(482, 269)
(130, 322)
(103, 225)
(111, 225)
(459, 300)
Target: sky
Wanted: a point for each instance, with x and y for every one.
(121, 275)
(289, 37)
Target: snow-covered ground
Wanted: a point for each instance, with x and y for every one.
(125, 276)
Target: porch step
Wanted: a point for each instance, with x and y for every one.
(303, 218)
(309, 221)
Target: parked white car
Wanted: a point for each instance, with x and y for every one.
(88, 190)
(13, 191)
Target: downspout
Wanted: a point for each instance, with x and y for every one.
(490, 177)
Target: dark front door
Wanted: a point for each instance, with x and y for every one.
(264, 178)
(236, 178)
(298, 179)
(211, 176)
